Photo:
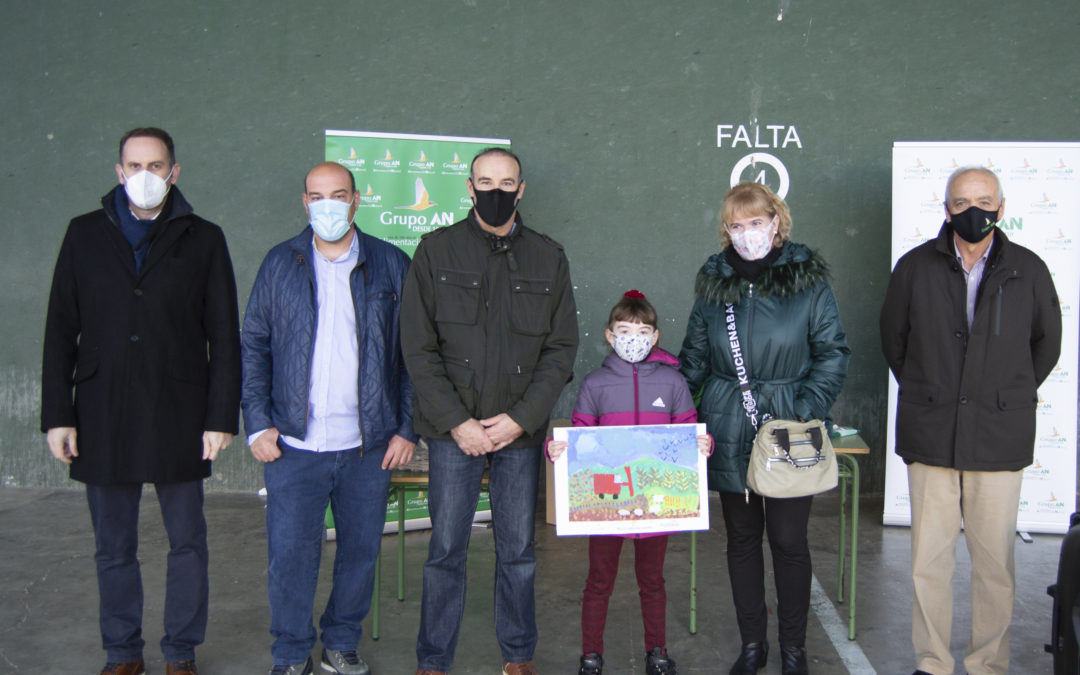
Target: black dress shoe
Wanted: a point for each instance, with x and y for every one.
(793, 661)
(752, 659)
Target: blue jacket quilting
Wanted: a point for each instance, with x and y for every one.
(278, 340)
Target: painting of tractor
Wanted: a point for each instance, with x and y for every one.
(612, 484)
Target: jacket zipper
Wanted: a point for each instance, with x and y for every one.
(997, 314)
(748, 359)
(636, 418)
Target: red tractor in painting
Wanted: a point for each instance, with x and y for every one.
(612, 484)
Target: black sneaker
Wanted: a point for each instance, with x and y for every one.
(591, 664)
(304, 668)
(657, 662)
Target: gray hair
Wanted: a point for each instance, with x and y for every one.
(966, 169)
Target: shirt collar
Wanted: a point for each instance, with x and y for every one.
(350, 256)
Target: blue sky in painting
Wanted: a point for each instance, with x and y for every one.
(616, 446)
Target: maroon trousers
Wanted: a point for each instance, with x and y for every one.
(603, 567)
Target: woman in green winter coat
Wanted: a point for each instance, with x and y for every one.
(794, 356)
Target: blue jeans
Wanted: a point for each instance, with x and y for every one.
(299, 485)
(452, 497)
(114, 511)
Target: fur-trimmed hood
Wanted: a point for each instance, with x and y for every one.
(797, 269)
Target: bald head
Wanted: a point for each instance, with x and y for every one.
(328, 169)
(977, 174)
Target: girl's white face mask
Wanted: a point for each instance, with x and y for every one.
(147, 190)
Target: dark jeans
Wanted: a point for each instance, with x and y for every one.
(785, 520)
(299, 485)
(452, 497)
(649, 555)
(114, 511)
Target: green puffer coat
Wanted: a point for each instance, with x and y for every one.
(791, 338)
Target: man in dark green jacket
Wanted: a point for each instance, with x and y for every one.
(971, 326)
(489, 336)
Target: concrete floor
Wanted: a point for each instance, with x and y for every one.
(48, 598)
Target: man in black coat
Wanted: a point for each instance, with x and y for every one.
(971, 327)
(141, 384)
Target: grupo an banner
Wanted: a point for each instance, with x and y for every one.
(1041, 184)
(410, 184)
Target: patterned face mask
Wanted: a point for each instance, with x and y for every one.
(633, 348)
(754, 244)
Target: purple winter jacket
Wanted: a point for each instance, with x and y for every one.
(621, 393)
(650, 392)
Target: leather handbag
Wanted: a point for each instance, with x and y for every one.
(789, 458)
(792, 459)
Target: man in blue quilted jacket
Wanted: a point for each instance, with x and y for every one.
(328, 409)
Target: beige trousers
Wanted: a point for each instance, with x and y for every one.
(985, 503)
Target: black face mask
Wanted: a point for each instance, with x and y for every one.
(495, 206)
(973, 224)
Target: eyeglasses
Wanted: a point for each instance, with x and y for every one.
(749, 224)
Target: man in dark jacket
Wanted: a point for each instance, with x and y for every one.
(328, 409)
(971, 326)
(489, 332)
(141, 384)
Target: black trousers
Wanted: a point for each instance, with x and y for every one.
(785, 520)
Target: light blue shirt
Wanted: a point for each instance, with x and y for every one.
(333, 422)
(973, 277)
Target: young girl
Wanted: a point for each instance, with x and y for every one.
(637, 384)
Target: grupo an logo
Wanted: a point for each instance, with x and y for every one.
(1037, 471)
(1044, 204)
(1024, 171)
(353, 161)
(1058, 374)
(369, 198)
(917, 236)
(422, 164)
(1050, 504)
(1055, 439)
(1045, 407)
(1059, 241)
(455, 166)
(1060, 171)
(387, 163)
(932, 203)
(946, 169)
(917, 169)
(465, 202)
(423, 200)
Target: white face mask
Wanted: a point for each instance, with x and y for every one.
(633, 348)
(329, 218)
(754, 244)
(146, 190)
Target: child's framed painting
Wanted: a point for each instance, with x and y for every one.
(630, 480)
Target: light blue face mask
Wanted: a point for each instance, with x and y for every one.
(329, 218)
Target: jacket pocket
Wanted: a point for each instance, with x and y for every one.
(1017, 398)
(530, 305)
(462, 376)
(920, 393)
(84, 371)
(457, 296)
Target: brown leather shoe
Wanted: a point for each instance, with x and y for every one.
(132, 668)
(525, 668)
(182, 668)
(429, 672)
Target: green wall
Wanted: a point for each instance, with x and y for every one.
(613, 105)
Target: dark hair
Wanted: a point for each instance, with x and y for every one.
(149, 132)
(632, 307)
(496, 151)
(352, 178)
